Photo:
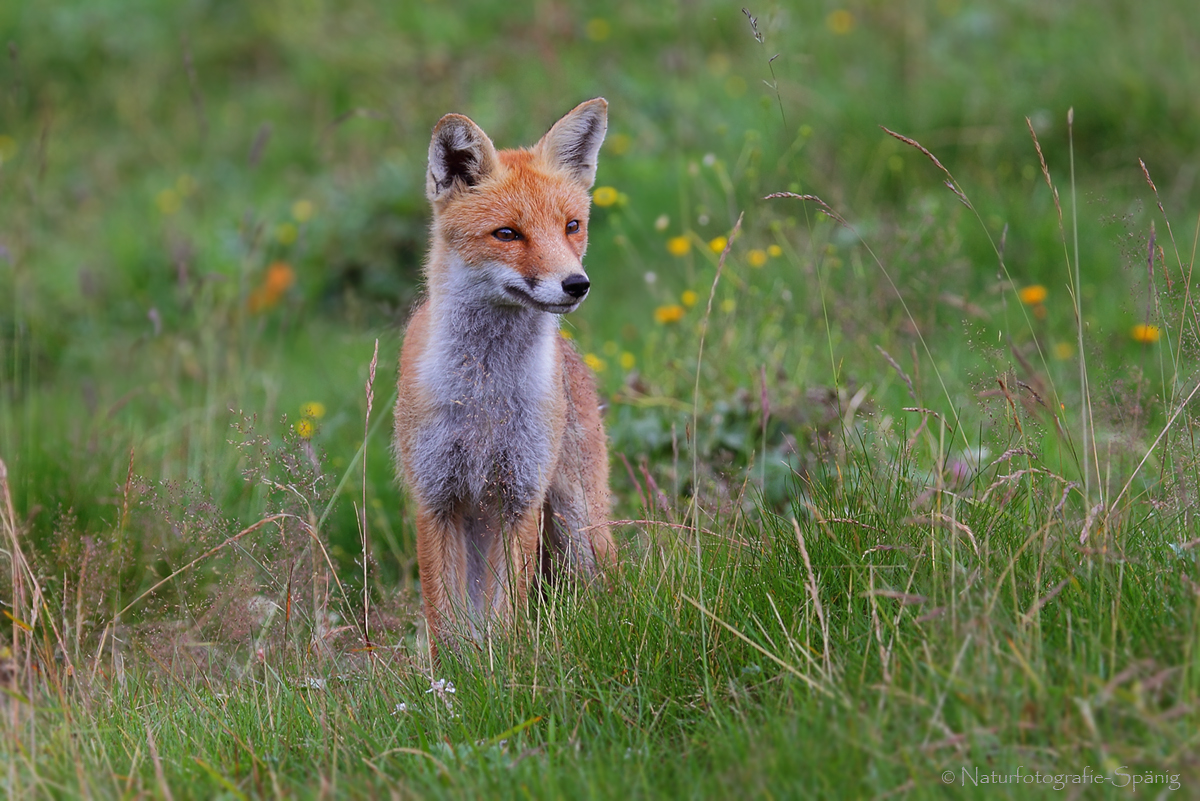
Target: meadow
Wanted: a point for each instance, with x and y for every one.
(891, 312)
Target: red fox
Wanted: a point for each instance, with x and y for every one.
(498, 431)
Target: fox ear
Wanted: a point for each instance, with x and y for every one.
(573, 144)
(460, 155)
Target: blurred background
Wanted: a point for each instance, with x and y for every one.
(211, 210)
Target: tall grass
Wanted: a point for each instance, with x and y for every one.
(879, 632)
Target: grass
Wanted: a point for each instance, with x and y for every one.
(911, 483)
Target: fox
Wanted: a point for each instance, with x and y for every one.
(498, 430)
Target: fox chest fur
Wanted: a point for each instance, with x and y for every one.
(489, 415)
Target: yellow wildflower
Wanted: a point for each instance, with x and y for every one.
(669, 314)
(565, 334)
(728, 305)
(313, 409)
(598, 29)
(679, 245)
(756, 257)
(688, 298)
(305, 428)
(8, 148)
(595, 362)
(718, 243)
(1145, 334)
(286, 233)
(618, 144)
(1033, 295)
(840, 22)
(627, 360)
(1063, 350)
(604, 196)
(168, 201)
(774, 251)
(303, 211)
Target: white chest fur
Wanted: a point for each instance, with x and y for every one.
(490, 372)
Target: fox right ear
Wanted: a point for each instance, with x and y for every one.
(460, 155)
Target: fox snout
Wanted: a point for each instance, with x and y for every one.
(550, 294)
(576, 285)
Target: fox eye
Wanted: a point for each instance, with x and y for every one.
(506, 234)
(573, 227)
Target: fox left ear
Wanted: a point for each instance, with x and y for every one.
(573, 144)
(460, 156)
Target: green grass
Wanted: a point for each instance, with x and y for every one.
(882, 527)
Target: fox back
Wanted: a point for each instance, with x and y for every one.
(498, 430)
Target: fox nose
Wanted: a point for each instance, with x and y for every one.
(576, 285)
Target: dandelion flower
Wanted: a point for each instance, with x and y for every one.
(598, 29)
(679, 245)
(565, 334)
(668, 314)
(718, 243)
(8, 148)
(688, 298)
(313, 409)
(728, 305)
(619, 144)
(756, 257)
(305, 428)
(1033, 295)
(279, 279)
(1145, 334)
(303, 211)
(627, 360)
(168, 201)
(595, 362)
(286, 233)
(841, 22)
(604, 196)
(1063, 351)
(774, 251)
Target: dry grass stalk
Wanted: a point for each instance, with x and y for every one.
(1045, 170)
(825, 207)
(810, 581)
(912, 392)
(366, 543)
(950, 183)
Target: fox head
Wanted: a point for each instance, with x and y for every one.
(511, 225)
